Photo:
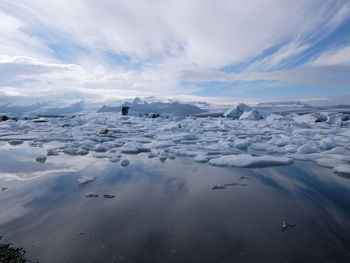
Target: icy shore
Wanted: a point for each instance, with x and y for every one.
(275, 140)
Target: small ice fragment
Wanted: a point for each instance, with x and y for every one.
(218, 187)
(51, 152)
(85, 180)
(286, 225)
(41, 159)
(242, 144)
(172, 156)
(101, 155)
(329, 162)
(152, 155)
(89, 195)
(108, 196)
(100, 148)
(104, 131)
(162, 158)
(201, 158)
(248, 161)
(114, 159)
(15, 142)
(236, 184)
(82, 151)
(124, 162)
(308, 148)
(71, 151)
(343, 169)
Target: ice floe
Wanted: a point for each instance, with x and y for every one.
(249, 161)
(323, 138)
(344, 169)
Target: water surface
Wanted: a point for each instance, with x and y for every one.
(168, 212)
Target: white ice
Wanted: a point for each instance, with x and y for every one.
(249, 161)
(218, 141)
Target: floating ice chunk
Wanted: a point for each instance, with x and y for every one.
(327, 144)
(231, 138)
(52, 151)
(184, 152)
(316, 156)
(152, 155)
(260, 146)
(275, 117)
(142, 140)
(100, 148)
(150, 135)
(91, 195)
(335, 118)
(15, 142)
(114, 159)
(134, 147)
(190, 137)
(71, 150)
(162, 144)
(41, 159)
(242, 144)
(84, 180)
(108, 196)
(249, 161)
(237, 111)
(218, 187)
(280, 140)
(345, 133)
(289, 149)
(253, 115)
(187, 142)
(172, 156)
(308, 148)
(101, 155)
(129, 150)
(82, 151)
(310, 118)
(330, 162)
(88, 146)
(125, 162)
(338, 150)
(306, 118)
(162, 158)
(170, 127)
(201, 158)
(343, 169)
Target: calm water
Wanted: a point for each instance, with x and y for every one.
(168, 212)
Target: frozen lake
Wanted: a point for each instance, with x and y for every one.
(169, 212)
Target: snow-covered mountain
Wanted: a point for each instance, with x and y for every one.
(149, 105)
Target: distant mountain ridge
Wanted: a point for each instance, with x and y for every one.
(139, 105)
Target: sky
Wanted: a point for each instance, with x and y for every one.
(228, 50)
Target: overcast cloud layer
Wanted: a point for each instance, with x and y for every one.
(109, 49)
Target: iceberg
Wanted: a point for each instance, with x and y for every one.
(245, 112)
(237, 111)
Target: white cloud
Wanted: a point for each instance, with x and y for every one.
(276, 59)
(339, 56)
(172, 40)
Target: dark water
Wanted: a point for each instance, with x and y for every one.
(168, 212)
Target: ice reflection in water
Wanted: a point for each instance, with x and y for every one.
(168, 212)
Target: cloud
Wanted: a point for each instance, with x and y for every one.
(338, 56)
(97, 50)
